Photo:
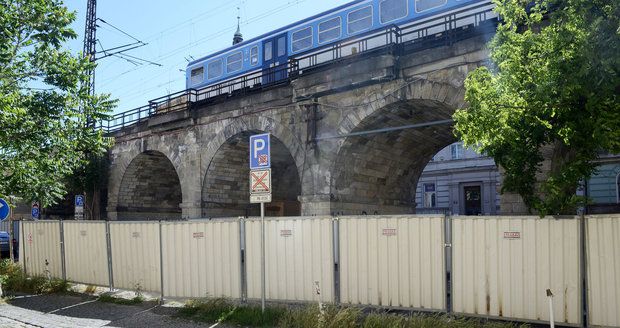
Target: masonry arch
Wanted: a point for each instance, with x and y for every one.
(377, 173)
(150, 189)
(225, 190)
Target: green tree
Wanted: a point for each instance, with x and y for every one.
(552, 86)
(44, 102)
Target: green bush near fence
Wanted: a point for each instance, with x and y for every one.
(332, 316)
(14, 281)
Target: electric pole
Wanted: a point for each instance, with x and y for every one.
(90, 41)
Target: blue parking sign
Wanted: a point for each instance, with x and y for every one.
(35, 211)
(260, 152)
(79, 200)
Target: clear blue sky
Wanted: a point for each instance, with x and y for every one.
(174, 31)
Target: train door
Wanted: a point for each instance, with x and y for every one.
(274, 59)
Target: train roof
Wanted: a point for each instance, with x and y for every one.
(247, 42)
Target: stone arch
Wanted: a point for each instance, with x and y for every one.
(149, 189)
(225, 187)
(378, 173)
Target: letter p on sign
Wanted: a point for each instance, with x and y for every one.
(260, 152)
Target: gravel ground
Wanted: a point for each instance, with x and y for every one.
(67, 308)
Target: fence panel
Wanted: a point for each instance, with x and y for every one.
(136, 255)
(502, 266)
(40, 248)
(298, 253)
(603, 267)
(202, 259)
(86, 254)
(393, 261)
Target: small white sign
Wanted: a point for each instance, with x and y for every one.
(260, 198)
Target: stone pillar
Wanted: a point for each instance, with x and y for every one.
(191, 210)
(315, 205)
(111, 211)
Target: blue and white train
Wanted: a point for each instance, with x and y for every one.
(357, 18)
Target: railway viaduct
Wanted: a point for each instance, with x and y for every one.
(327, 155)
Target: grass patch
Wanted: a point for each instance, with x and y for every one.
(222, 310)
(332, 316)
(122, 301)
(14, 280)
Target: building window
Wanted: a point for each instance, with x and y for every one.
(234, 62)
(391, 10)
(214, 69)
(254, 55)
(359, 20)
(302, 39)
(423, 5)
(197, 75)
(430, 198)
(456, 150)
(330, 29)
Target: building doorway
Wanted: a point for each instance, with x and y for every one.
(473, 200)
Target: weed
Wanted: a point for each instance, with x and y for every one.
(16, 281)
(332, 316)
(90, 289)
(105, 298)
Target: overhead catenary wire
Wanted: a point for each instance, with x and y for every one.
(209, 37)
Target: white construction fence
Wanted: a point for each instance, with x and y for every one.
(498, 267)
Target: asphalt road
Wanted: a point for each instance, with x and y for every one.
(52, 309)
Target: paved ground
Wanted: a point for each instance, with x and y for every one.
(75, 310)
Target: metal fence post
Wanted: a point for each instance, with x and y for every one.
(336, 244)
(109, 253)
(584, 270)
(161, 263)
(62, 250)
(448, 260)
(22, 249)
(243, 274)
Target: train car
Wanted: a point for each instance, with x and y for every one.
(357, 18)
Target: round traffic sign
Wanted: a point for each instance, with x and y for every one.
(5, 209)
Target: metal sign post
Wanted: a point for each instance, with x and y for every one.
(260, 190)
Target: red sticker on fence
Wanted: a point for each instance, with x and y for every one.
(389, 232)
(198, 235)
(286, 233)
(512, 235)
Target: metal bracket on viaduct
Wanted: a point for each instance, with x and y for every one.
(352, 127)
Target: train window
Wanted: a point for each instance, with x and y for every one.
(268, 51)
(302, 39)
(359, 20)
(330, 29)
(391, 10)
(214, 69)
(281, 46)
(234, 62)
(422, 5)
(254, 55)
(197, 75)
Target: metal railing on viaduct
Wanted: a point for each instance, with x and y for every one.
(499, 267)
(432, 32)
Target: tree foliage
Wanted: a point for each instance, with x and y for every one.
(44, 103)
(553, 84)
